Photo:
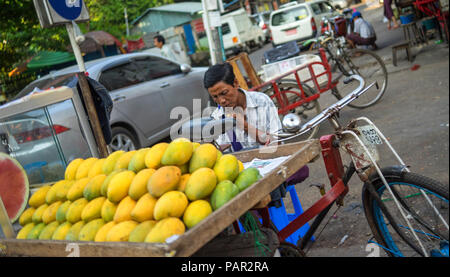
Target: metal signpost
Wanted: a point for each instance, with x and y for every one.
(57, 12)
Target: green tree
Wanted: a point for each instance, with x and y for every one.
(21, 34)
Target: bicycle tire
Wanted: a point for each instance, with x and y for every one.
(371, 68)
(290, 92)
(431, 230)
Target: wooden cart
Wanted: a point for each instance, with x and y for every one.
(194, 239)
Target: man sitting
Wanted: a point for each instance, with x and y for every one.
(363, 32)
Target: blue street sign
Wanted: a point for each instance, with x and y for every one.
(67, 9)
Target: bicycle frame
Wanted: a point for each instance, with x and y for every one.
(364, 161)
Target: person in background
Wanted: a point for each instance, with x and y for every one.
(389, 14)
(363, 32)
(166, 50)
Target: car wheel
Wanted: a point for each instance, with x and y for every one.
(123, 139)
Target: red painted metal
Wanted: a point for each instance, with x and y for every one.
(282, 96)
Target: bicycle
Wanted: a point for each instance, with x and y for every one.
(406, 212)
(391, 195)
(356, 61)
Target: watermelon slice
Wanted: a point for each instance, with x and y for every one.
(14, 186)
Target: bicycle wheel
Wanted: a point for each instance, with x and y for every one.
(291, 93)
(430, 226)
(371, 68)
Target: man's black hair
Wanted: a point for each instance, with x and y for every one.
(160, 38)
(219, 73)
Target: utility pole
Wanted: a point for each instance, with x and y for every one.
(211, 21)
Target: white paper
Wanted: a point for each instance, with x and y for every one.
(266, 166)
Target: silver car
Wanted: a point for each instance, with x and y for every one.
(144, 89)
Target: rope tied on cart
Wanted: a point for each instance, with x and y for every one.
(249, 223)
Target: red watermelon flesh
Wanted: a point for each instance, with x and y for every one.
(14, 186)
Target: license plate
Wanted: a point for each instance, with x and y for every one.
(369, 135)
(291, 32)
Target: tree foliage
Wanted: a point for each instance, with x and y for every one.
(21, 34)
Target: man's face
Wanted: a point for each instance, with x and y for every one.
(224, 94)
(157, 43)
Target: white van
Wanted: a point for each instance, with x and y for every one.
(239, 33)
(299, 22)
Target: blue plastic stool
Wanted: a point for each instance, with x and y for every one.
(281, 218)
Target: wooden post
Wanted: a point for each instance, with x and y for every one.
(92, 115)
(248, 67)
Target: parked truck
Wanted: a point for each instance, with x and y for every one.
(239, 33)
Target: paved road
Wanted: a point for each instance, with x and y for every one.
(413, 114)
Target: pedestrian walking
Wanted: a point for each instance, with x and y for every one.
(389, 14)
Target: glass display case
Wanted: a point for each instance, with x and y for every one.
(44, 131)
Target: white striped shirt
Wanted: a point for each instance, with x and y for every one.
(261, 113)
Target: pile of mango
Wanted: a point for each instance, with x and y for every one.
(146, 195)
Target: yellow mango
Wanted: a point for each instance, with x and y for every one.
(154, 155)
(50, 197)
(93, 209)
(90, 229)
(241, 166)
(227, 168)
(61, 192)
(37, 215)
(110, 162)
(38, 198)
(97, 168)
(196, 212)
(163, 180)
(201, 184)
(183, 181)
(76, 190)
(143, 210)
(73, 232)
(36, 231)
(71, 169)
(104, 189)
(27, 216)
(137, 162)
(138, 186)
(195, 145)
(170, 204)
(103, 231)
(85, 166)
(93, 187)
(178, 152)
(164, 229)
(204, 156)
(124, 160)
(48, 230)
(73, 214)
(108, 210)
(219, 155)
(123, 212)
(121, 231)
(23, 233)
(119, 185)
(141, 231)
(49, 214)
(62, 210)
(62, 230)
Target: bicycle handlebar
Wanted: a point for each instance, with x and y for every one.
(328, 112)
